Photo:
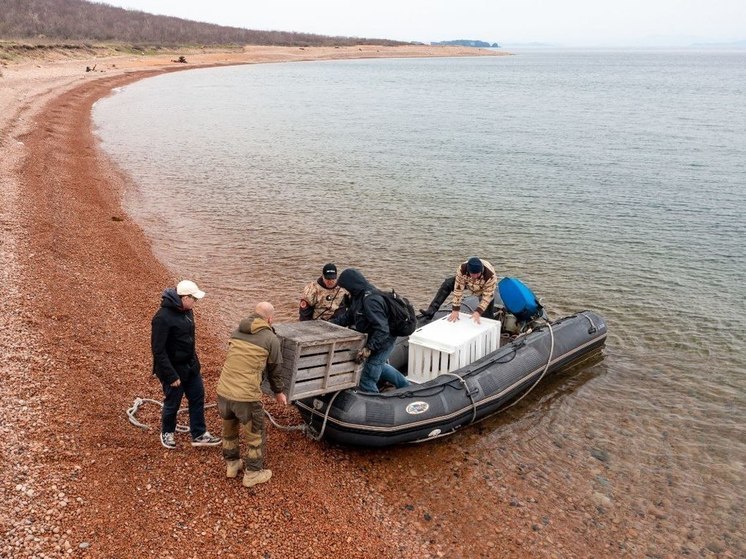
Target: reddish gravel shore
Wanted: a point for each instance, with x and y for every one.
(80, 285)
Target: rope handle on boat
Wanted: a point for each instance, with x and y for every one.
(546, 367)
(592, 329)
(469, 393)
(131, 411)
(318, 437)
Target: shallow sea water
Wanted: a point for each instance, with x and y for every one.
(608, 180)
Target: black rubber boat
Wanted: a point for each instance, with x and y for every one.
(450, 401)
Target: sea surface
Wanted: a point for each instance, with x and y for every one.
(605, 180)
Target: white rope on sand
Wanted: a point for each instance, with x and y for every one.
(132, 411)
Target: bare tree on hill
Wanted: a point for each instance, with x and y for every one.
(79, 20)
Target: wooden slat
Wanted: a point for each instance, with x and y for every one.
(319, 372)
(306, 356)
(348, 380)
(312, 331)
(306, 362)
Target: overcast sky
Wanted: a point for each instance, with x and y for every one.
(559, 22)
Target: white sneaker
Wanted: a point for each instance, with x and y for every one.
(168, 440)
(206, 439)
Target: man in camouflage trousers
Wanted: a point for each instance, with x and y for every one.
(252, 348)
(476, 275)
(322, 299)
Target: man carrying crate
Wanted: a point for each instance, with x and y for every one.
(368, 313)
(252, 348)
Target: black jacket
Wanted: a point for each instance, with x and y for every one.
(367, 311)
(172, 340)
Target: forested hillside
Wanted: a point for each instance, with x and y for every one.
(78, 20)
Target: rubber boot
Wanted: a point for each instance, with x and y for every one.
(232, 468)
(254, 477)
(445, 290)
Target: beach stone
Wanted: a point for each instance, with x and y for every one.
(600, 454)
(600, 499)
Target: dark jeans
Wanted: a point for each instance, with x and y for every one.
(194, 390)
(376, 369)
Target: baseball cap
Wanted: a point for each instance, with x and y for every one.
(474, 265)
(186, 287)
(329, 271)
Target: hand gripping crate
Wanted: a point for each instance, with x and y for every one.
(318, 357)
(443, 347)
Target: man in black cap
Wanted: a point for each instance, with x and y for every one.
(322, 299)
(476, 275)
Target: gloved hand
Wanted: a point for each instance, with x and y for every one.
(362, 355)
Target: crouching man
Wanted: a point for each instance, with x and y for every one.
(253, 348)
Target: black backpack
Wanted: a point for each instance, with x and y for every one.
(402, 316)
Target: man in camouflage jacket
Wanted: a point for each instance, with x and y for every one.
(476, 275)
(323, 298)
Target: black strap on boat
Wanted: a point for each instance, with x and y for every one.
(469, 392)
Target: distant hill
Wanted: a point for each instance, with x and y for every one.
(732, 44)
(78, 20)
(467, 43)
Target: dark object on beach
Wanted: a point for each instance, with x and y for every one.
(181, 59)
(89, 69)
(116, 218)
(442, 405)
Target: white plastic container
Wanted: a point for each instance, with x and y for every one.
(443, 346)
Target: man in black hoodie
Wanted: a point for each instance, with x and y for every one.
(176, 365)
(368, 313)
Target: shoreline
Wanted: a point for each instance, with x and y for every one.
(78, 480)
(83, 283)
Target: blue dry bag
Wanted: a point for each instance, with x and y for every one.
(518, 299)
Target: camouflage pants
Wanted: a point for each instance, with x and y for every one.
(248, 417)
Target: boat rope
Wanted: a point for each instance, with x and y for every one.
(298, 427)
(468, 393)
(132, 411)
(544, 372)
(323, 424)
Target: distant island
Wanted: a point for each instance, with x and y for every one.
(466, 43)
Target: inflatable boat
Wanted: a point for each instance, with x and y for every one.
(457, 398)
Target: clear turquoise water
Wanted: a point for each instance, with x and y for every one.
(608, 180)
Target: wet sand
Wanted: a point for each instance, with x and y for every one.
(80, 287)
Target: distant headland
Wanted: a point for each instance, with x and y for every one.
(466, 43)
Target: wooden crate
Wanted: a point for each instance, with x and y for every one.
(318, 357)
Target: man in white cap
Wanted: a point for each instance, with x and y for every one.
(176, 365)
